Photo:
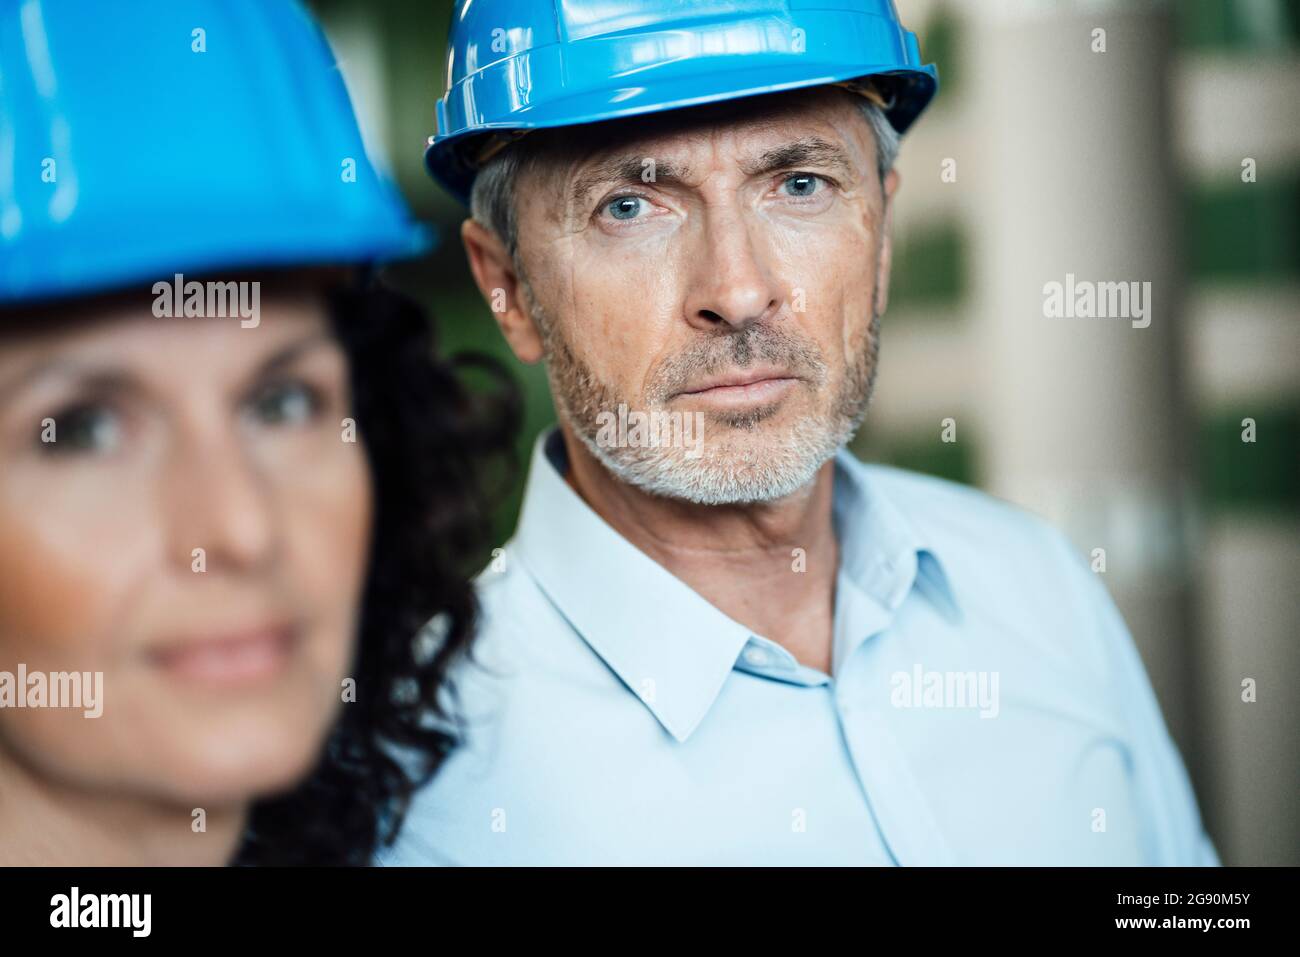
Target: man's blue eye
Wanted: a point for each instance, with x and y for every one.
(625, 207)
(801, 184)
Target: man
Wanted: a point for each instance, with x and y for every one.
(716, 637)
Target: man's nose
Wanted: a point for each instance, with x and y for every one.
(731, 282)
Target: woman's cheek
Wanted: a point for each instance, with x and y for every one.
(326, 499)
(71, 554)
(75, 560)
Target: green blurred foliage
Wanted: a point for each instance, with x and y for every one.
(930, 270)
(955, 461)
(1259, 476)
(939, 45)
(1245, 232)
(1238, 26)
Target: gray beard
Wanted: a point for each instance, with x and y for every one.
(741, 474)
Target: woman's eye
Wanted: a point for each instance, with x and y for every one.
(286, 403)
(625, 207)
(89, 428)
(801, 184)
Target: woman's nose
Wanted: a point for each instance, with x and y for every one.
(222, 504)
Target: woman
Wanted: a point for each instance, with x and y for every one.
(228, 524)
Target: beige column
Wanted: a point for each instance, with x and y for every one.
(1082, 419)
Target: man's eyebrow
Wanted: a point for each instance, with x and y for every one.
(807, 151)
(622, 169)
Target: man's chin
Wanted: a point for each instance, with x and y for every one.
(726, 474)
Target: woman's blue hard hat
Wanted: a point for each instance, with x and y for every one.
(143, 139)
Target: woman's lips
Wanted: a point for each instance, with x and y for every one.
(237, 658)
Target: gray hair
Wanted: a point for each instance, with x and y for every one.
(492, 199)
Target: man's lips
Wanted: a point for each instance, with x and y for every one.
(231, 658)
(742, 387)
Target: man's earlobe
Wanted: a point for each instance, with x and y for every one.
(891, 183)
(494, 273)
(883, 268)
(884, 265)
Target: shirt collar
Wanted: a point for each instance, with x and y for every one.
(669, 646)
(882, 550)
(884, 555)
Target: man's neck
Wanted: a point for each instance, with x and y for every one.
(770, 566)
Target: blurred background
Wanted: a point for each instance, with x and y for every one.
(1164, 149)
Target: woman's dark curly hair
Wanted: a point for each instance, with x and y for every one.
(436, 449)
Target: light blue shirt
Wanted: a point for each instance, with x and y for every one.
(986, 704)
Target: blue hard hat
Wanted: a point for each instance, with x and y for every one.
(147, 138)
(517, 65)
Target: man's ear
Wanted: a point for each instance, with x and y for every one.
(494, 272)
(886, 261)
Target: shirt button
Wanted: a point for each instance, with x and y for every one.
(756, 657)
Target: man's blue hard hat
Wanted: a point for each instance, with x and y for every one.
(518, 65)
(147, 138)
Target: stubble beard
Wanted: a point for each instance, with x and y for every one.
(742, 462)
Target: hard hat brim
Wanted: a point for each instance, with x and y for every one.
(203, 248)
(449, 159)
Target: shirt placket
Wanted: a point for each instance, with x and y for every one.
(908, 828)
